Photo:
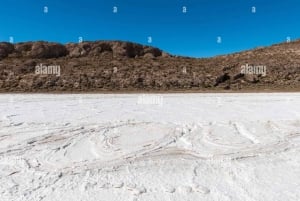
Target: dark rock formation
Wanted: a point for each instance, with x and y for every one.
(6, 49)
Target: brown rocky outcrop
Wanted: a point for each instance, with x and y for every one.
(122, 66)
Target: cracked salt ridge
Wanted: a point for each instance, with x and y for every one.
(188, 149)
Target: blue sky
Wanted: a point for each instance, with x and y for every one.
(190, 34)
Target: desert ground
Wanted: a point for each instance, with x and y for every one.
(152, 147)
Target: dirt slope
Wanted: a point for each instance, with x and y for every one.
(124, 66)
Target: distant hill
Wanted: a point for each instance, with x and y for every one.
(124, 66)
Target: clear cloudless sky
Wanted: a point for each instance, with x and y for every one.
(193, 33)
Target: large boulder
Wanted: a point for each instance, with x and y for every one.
(222, 78)
(154, 51)
(127, 49)
(44, 50)
(133, 50)
(23, 47)
(77, 52)
(88, 49)
(149, 56)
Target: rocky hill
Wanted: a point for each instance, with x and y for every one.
(124, 66)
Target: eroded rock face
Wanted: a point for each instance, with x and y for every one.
(116, 48)
(154, 51)
(130, 50)
(222, 78)
(48, 50)
(6, 49)
(40, 50)
(23, 47)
